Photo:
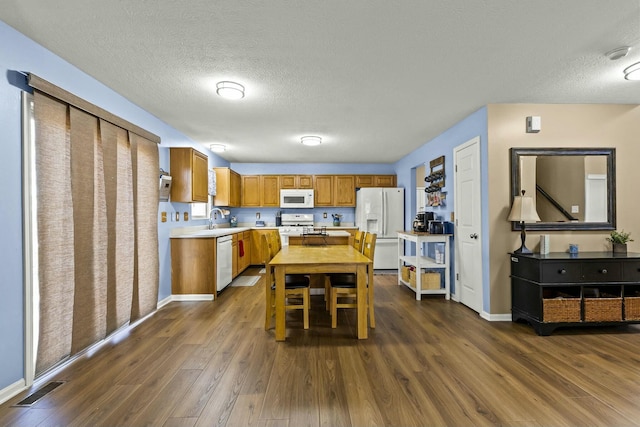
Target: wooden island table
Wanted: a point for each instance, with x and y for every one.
(294, 259)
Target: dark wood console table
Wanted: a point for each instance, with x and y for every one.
(585, 289)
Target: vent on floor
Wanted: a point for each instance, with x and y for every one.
(34, 397)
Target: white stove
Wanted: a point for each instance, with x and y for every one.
(294, 224)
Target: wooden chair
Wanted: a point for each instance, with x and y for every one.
(296, 285)
(357, 241)
(345, 286)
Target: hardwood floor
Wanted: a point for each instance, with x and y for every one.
(427, 363)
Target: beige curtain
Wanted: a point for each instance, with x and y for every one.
(97, 202)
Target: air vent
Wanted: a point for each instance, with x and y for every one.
(34, 397)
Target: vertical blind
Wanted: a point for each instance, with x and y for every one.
(97, 200)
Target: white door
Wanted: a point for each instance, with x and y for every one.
(468, 240)
(595, 198)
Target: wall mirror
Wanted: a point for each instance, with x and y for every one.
(572, 188)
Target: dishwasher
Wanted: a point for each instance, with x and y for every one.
(224, 266)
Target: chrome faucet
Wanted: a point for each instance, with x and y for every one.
(223, 212)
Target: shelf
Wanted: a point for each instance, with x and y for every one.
(424, 262)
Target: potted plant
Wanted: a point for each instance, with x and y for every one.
(336, 219)
(619, 241)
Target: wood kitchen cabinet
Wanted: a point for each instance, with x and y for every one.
(345, 190)
(323, 190)
(250, 191)
(190, 181)
(234, 256)
(296, 181)
(257, 257)
(241, 252)
(193, 264)
(363, 181)
(270, 190)
(244, 250)
(260, 190)
(228, 188)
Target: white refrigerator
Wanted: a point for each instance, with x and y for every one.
(381, 211)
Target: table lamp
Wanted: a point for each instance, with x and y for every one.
(523, 210)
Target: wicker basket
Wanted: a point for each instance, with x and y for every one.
(428, 280)
(561, 309)
(404, 273)
(632, 308)
(605, 309)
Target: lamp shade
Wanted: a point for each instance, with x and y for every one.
(523, 209)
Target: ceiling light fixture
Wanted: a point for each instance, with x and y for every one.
(311, 140)
(618, 53)
(217, 148)
(230, 90)
(632, 72)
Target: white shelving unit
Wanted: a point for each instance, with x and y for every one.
(424, 262)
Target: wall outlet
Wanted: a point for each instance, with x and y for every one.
(575, 209)
(186, 216)
(324, 214)
(163, 216)
(257, 215)
(177, 216)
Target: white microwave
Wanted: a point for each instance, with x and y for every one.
(296, 198)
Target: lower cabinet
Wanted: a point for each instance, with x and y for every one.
(241, 246)
(193, 266)
(585, 289)
(257, 257)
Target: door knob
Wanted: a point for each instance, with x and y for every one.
(474, 235)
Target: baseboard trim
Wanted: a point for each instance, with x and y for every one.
(12, 390)
(163, 302)
(496, 317)
(192, 297)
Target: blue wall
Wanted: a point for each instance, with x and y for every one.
(18, 53)
(443, 145)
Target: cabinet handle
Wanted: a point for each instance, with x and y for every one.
(603, 271)
(563, 271)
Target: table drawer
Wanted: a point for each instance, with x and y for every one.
(561, 272)
(631, 271)
(602, 271)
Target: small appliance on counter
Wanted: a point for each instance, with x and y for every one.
(421, 221)
(234, 221)
(278, 219)
(436, 227)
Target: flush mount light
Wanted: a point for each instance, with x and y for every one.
(217, 148)
(230, 90)
(311, 140)
(632, 72)
(618, 53)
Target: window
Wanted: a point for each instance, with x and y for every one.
(200, 210)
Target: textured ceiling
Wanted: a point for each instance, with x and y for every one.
(375, 78)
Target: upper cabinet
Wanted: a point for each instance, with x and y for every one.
(363, 181)
(190, 181)
(260, 190)
(323, 190)
(270, 190)
(228, 188)
(334, 190)
(296, 181)
(345, 190)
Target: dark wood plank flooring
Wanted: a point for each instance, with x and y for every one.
(428, 363)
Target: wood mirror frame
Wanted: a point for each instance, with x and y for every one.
(610, 155)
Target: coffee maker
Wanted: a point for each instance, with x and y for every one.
(421, 222)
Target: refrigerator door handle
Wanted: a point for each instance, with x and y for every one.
(384, 213)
